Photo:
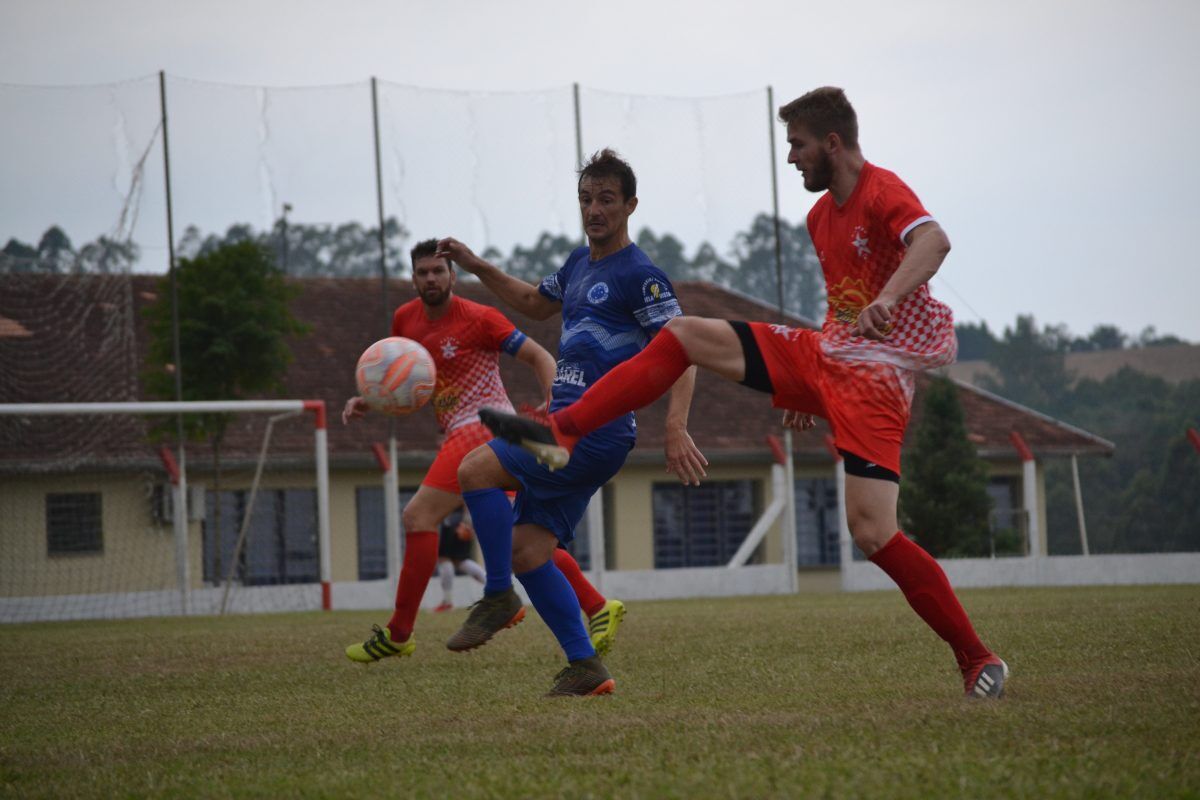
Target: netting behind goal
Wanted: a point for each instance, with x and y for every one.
(113, 525)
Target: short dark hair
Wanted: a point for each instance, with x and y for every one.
(426, 249)
(824, 111)
(607, 164)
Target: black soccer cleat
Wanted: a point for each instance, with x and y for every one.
(527, 434)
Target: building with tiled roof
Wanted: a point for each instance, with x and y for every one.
(85, 339)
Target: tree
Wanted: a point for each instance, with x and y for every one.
(1149, 337)
(803, 281)
(346, 250)
(1102, 337)
(666, 254)
(944, 502)
(974, 341)
(1032, 366)
(234, 322)
(546, 256)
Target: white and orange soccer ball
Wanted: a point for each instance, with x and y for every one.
(395, 375)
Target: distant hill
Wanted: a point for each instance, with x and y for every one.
(1173, 363)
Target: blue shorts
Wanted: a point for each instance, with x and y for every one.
(557, 500)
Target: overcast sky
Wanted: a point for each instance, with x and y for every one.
(1055, 141)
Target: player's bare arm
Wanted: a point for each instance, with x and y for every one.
(683, 457)
(928, 246)
(541, 362)
(356, 408)
(522, 296)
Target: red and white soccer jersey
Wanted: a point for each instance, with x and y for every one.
(862, 386)
(860, 245)
(465, 344)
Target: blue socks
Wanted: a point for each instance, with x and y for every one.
(492, 516)
(555, 601)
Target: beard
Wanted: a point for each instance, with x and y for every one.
(819, 178)
(434, 297)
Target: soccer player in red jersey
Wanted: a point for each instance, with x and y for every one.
(878, 248)
(465, 340)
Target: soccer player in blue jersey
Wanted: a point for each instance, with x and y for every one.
(612, 300)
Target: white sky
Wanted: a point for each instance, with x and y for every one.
(1054, 140)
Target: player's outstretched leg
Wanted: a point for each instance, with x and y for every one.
(626, 387)
(379, 646)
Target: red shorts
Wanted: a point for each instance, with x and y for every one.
(443, 473)
(867, 403)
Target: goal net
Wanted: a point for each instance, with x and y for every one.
(98, 519)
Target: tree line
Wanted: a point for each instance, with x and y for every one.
(352, 249)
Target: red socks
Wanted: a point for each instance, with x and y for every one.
(627, 387)
(420, 560)
(927, 590)
(590, 600)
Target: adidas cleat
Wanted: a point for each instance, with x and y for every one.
(488, 616)
(602, 626)
(379, 646)
(583, 678)
(543, 441)
(986, 679)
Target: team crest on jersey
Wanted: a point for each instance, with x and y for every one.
(654, 290)
(449, 347)
(598, 293)
(860, 242)
(446, 399)
(847, 298)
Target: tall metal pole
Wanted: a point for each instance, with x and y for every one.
(775, 200)
(1083, 539)
(789, 467)
(387, 317)
(181, 516)
(595, 509)
(579, 151)
(391, 480)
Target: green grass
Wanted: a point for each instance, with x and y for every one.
(802, 696)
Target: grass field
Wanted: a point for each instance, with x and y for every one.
(801, 696)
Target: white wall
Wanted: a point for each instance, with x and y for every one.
(1107, 570)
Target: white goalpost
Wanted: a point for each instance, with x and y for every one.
(83, 530)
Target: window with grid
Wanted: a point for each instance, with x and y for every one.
(73, 523)
(702, 526)
(281, 537)
(817, 522)
(372, 530)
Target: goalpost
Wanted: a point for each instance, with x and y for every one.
(82, 526)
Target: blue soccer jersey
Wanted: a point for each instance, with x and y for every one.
(610, 310)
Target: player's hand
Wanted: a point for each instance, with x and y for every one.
(356, 407)
(875, 321)
(798, 421)
(459, 253)
(684, 458)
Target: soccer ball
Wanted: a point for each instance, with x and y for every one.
(395, 375)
